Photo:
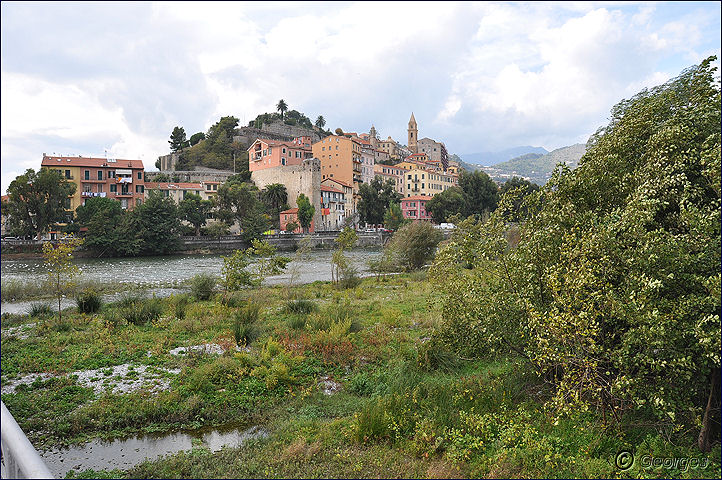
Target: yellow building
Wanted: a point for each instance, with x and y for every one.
(420, 181)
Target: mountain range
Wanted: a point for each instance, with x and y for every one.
(492, 158)
(535, 167)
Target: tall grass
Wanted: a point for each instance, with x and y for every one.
(40, 310)
(88, 301)
(203, 286)
(245, 330)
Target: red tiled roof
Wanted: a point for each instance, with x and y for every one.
(324, 188)
(53, 161)
(173, 186)
(290, 210)
(416, 197)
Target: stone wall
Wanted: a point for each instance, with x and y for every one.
(304, 178)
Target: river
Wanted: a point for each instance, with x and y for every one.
(158, 273)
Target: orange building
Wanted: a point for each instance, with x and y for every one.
(291, 215)
(274, 153)
(340, 159)
(119, 179)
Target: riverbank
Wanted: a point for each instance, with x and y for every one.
(346, 383)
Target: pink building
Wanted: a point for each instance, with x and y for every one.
(291, 215)
(414, 207)
(274, 153)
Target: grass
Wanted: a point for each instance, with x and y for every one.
(405, 407)
(17, 290)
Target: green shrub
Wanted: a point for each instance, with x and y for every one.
(301, 306)
(40, 310)
(141, 311)
(180, 305)
(244, 324)
(297, 322)
(88, 301)
(203, 286)
(435, 355)
(233, 299)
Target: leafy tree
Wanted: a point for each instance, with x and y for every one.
(320, 122)
(281, 107)
(339, 131)
(522, 188)
(157, 164)
(154, 225)
(37, 200)
(340, 265)
(239, 202)
(235, 269)
(394, 217)
(612, 293)
(292, 226)
(450, 202)
(414, 244)
(61, 270)
(108, 231)
(196, 138)
(305, 212)
(375, 199)
(480, 192)
(177, 140)
(195, 210)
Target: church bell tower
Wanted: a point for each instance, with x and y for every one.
(413, 134)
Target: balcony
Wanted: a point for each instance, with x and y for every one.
(125, 194)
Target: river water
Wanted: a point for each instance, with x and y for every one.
(157, 274)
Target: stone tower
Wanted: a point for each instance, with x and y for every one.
(413, 134)
(372, 137)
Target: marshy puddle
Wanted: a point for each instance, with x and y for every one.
(126, 453)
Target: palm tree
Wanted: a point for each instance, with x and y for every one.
(281, 107)
(320, 122)
(275, 197)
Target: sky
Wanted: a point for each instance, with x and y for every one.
(90, 78)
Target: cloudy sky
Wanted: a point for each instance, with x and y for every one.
(83, 78)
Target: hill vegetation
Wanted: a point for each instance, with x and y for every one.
(492, 158)
(535, 167)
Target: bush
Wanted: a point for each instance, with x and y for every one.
(88, 301)
(40, 310)
(244, 324)
(233, 299)
(141, 311)
(297, 322)
(203, 286)
(180, 305)
(414, 244)
(301, 306)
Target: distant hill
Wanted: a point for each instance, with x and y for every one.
(536, 168)
(462, 164)
(492, 158)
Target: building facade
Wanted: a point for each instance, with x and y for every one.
(275, 153)
(414, 207)
(413, 131)
(333, 208)
(118, 179)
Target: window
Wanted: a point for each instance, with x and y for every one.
(100, 174)
(67, 174)
(140, 175)
(283, 150)
(86, 187)
(113, 188)
(138, 202)
(100, 187)
(87, 174)
(283, 161)
(111, 174)
(124, 203)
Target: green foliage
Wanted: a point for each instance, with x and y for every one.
(301, 306)
(413, 245)
(236, 274)
(240, 202)
(108, 228)
(216, 150)
(446, 204)
(88, 301)
(195, 210)
(180, 306)
(61, 270)
(245, 329)
(394, 217)
(612, 291)
(196, 138)
(216, 229)
(203, 286)
(275, 198)
(305, 212)
(281, 107)
(140, 311)
(40, 310)
(341, 267)
(375, 198)
(178, 140)
(292, 227)
(320, 122)
(480, 193)
(154, 226)
(37, 200)
(520, 189)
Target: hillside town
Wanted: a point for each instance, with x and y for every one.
(328, 169)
